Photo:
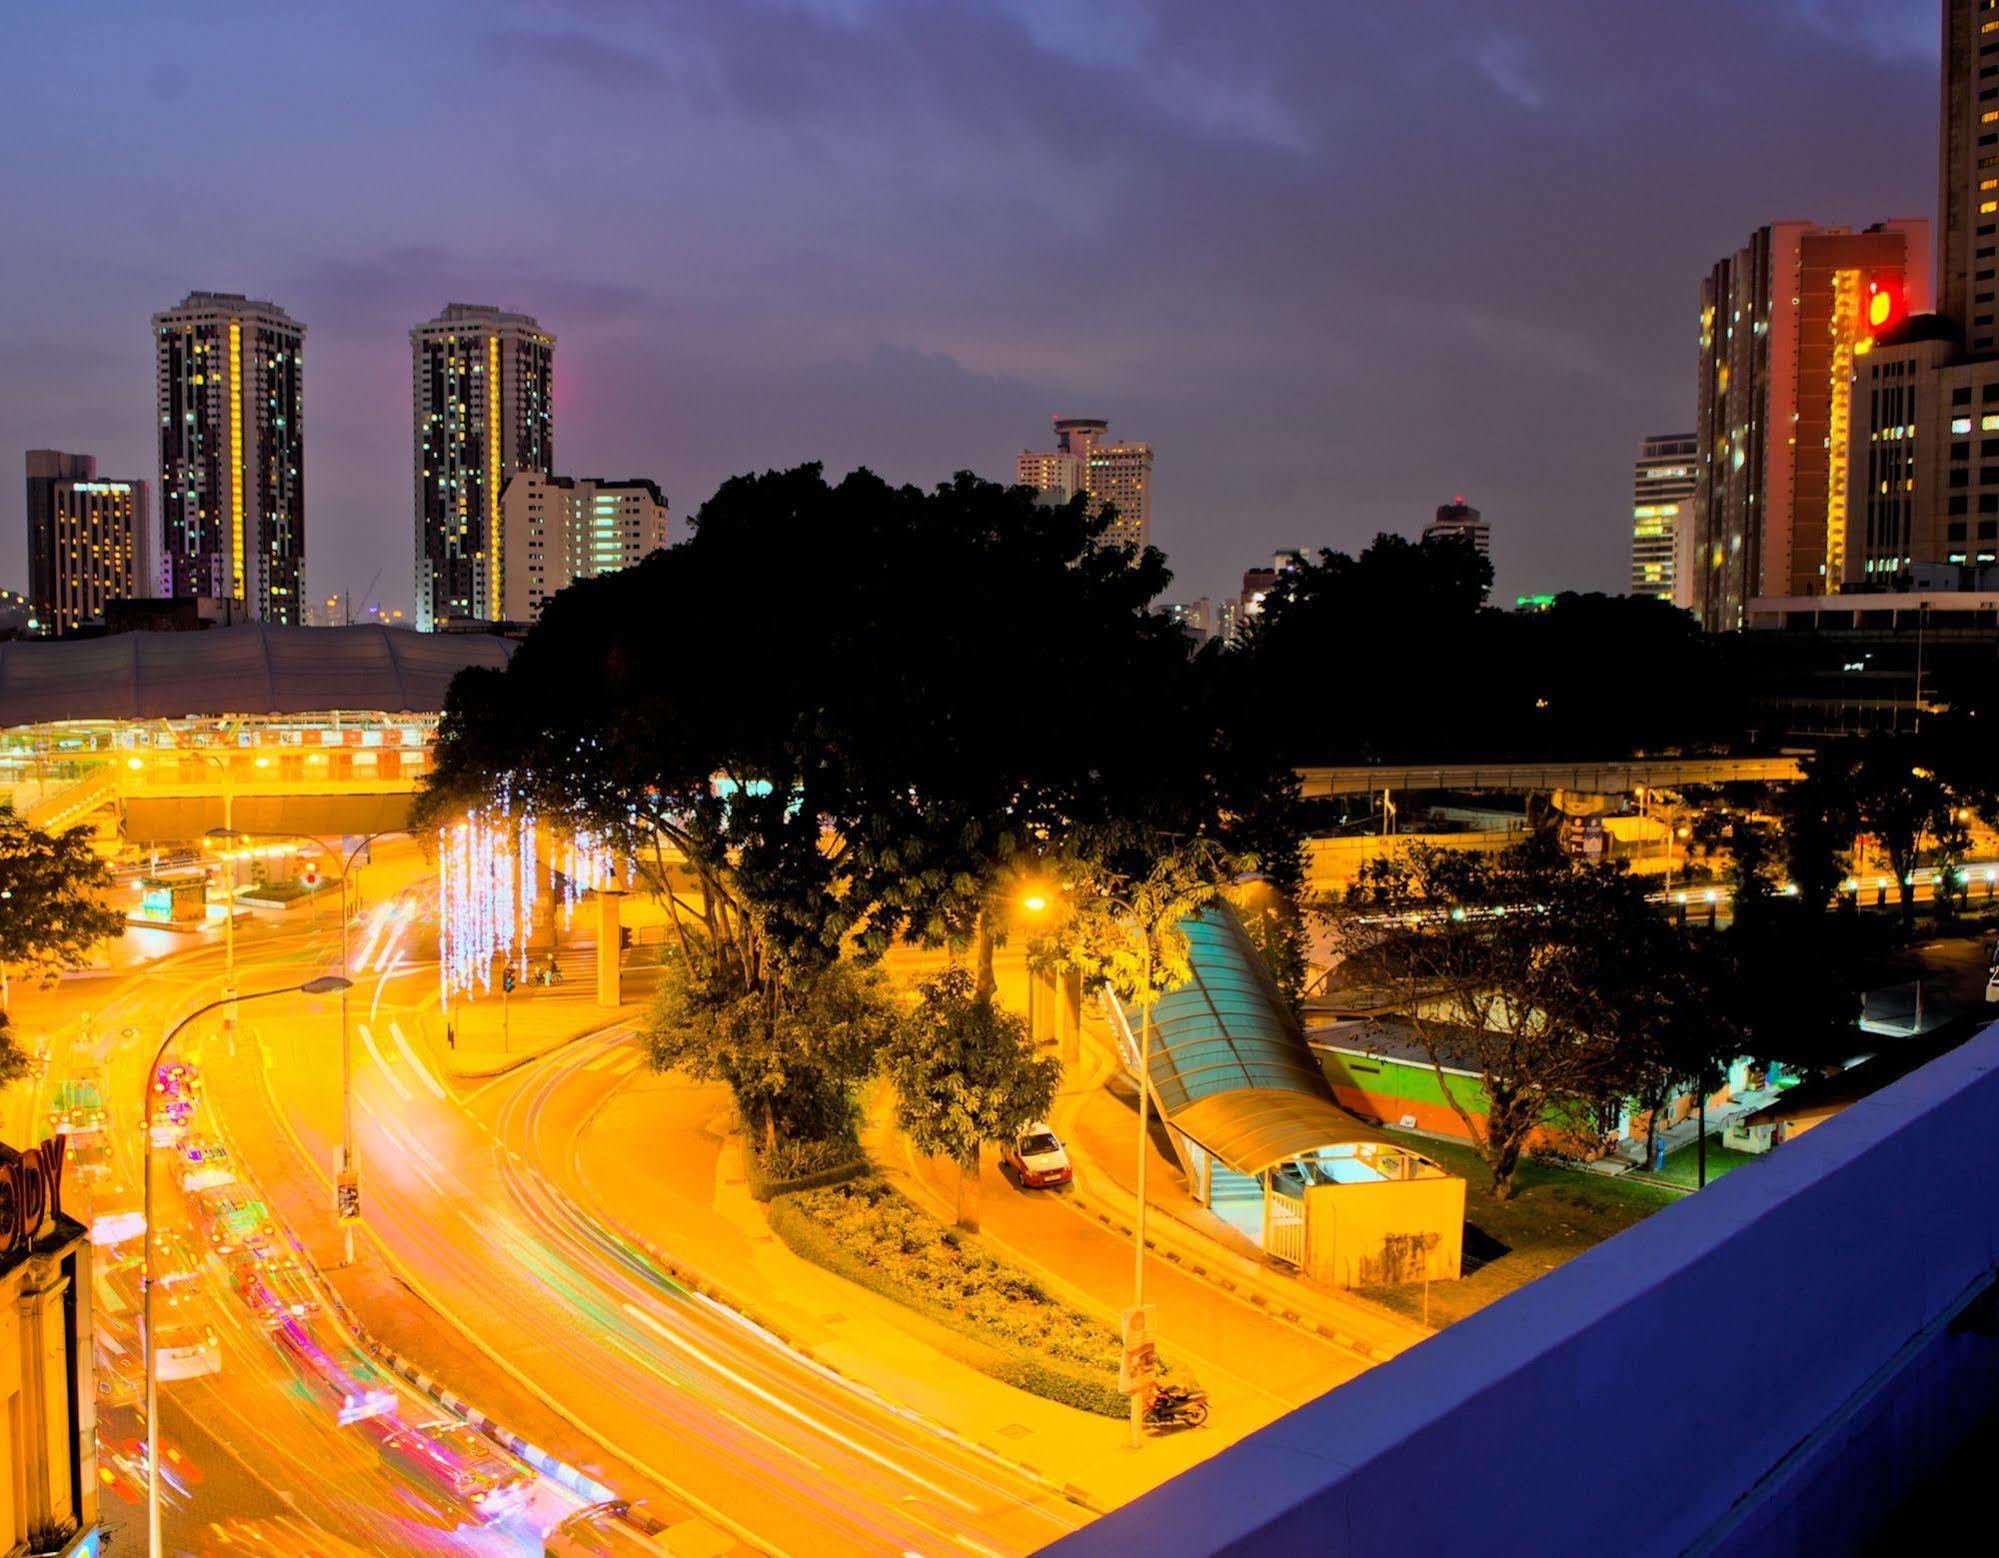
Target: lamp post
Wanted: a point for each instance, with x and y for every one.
(346, 1031)
(1036, 903)
(321, 986)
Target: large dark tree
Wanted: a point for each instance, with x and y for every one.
(1392, 654)
(841, 714)
(1555, 984)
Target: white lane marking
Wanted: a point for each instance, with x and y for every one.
(368, 1038)
(422, 1071)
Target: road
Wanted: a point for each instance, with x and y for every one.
(716, 1417)
(256, 1453)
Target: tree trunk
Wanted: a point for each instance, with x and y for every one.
(1507, 1126)
(983, 946)
(968, 1193)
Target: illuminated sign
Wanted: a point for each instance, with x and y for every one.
(30, 1193)
(1884, 304)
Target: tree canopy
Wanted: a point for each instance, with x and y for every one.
(51, 913)
(853, 710)
(1392, 654)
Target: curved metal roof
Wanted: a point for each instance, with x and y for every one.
(1230, 1067)
(254, 669)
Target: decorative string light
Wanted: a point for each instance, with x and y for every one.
(486, 892)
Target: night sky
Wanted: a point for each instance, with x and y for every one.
(1337, 262)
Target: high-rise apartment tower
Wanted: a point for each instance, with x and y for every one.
(230, 386)
(557, 529)
(481, 385)
(1783, 322)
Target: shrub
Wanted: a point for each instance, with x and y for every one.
(784, 1166)
(1020, 1334)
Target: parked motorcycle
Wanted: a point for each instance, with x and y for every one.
(1177, 1406)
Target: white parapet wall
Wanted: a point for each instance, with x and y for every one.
(1765, 1367)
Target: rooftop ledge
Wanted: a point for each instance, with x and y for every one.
(1766, 1366)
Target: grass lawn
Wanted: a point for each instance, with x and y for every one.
(1553, 1216)
(1683, 1170)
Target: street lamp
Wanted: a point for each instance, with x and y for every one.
(1036, 903)
(324, 985)
(346, 1039)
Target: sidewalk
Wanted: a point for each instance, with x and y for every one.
(691, 1196)
(495, 1033)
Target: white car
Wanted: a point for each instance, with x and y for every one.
(188, 1352)
(1038, 1158)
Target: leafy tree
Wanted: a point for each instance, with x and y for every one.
(1904, 801)
(1537, 975)
(822, 723)
(1102, 924)
(965, 1073)
(1818, 822)
(791, 1054)
(1466, 681)
(51, 914)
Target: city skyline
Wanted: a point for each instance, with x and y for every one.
(1230, 345)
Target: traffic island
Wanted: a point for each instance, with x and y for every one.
(1003, 1322)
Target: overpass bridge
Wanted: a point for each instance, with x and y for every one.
(1595, 778)
(157, 737)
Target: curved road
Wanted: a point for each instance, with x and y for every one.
(766, 1445)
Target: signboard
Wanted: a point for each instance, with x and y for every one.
(347, 1196)
(30, 1193)
(1140, 1354)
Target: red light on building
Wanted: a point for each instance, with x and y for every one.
(1884, 304)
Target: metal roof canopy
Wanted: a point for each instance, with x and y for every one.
(1230, 1068)
(253, 669)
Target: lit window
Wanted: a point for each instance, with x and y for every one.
(1960, 424)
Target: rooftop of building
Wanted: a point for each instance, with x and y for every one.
(256, 669)
(1919, 327)
(225, 303)
(454, 314)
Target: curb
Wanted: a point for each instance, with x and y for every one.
(1195, 1268)
(745, 1314)
(1096, 1073)
(559, 1471)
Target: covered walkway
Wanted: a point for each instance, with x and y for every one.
(1259, 1135)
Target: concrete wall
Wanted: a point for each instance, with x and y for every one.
(1763, 1367)
(1397, 1231)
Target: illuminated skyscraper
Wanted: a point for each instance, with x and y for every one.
(232, 453)
(481, 384)
(1782, 324)
(86, 539)
(1662, 512)
(1968, 173)
(1112, 474)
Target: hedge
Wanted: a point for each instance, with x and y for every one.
(798, 1220)
(765, 1187)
